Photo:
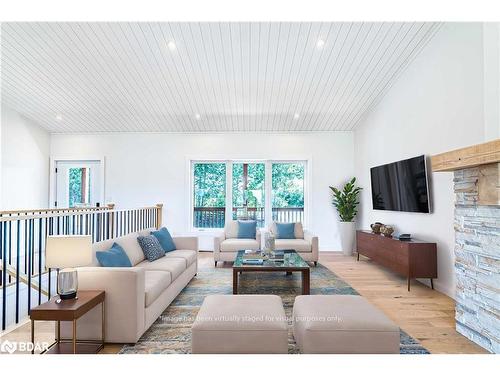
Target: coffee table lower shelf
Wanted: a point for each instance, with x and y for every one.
(306, 276)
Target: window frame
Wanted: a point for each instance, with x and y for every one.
(267, 186)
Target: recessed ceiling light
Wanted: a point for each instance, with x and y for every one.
(59, 117)
(197, 116)
(296, 116)
(320, 43)
(171, 45)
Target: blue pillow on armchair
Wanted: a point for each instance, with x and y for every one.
(285, 231)
(247, 229)
(165, 239)
(114, 257)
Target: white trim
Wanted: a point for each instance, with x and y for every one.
(52, 175)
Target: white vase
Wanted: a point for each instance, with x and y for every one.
(347, 234)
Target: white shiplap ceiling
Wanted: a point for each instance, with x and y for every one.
(192, 77)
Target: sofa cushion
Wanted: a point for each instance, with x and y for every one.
(175, 266)
(155, 283)
(235, 244)
(247, 229)
(285, 231)
(231, 229)
(151, 247)
(300, 246)
(298, 230)
(114, 257)
(131, 247)
(188, 255)
(165, 239)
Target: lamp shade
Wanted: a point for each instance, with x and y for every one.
(68, 251)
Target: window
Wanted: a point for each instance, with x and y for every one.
(209, 195)
(79, 187)
(264, 191)
(288, 192)
(249, 192)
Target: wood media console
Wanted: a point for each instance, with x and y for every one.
(413, 259)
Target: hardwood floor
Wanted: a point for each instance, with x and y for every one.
(425, 314)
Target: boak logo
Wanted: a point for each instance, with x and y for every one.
(22, 346)
(8, 347)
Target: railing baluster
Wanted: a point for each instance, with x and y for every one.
(40, 261)
(18, 247)
(4, 274)
(30, 260)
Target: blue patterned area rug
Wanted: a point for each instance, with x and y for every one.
(171, 333)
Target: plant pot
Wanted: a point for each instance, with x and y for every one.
(347, 234)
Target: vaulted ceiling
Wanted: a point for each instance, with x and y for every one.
(197, 77)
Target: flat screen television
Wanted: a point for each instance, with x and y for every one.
(401, 186)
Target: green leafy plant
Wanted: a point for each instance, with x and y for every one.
(346, 200)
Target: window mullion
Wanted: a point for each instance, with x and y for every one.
(268, 206)
(229, 190)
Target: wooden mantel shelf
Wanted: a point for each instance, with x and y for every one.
(468, 157)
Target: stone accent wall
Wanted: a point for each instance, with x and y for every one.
(477, 263)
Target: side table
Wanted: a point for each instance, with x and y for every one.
(69, 310)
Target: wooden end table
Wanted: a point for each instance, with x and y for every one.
(69, 310)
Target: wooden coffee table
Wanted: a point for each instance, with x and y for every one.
(293, 262)
(69, 310)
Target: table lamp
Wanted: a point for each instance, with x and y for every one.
(64, 253)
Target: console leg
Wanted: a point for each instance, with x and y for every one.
(432, 283)
(358, 257)
(408, 283)
(215, 263)
(315, 264)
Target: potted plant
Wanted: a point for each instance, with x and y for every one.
(346, 202)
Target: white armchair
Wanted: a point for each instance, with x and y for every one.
(227, 243)
(305, 243)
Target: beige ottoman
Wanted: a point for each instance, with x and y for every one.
(342, 324)
(240, 324)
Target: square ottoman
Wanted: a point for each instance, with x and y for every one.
(240, 324)
(342, 324)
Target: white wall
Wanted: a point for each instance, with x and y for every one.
(491, 56)
(435, 106)
(25, 148)
(144, 169)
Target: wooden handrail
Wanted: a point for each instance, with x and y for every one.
(73, 213)
(49, 210)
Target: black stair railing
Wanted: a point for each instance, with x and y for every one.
(25, 282)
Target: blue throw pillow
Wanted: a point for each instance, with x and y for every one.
(285, 231)
(165, 239)
(151, 247)
(247, 229)
(114, 257)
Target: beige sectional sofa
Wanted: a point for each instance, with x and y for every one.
(137, 295)
(227, 243)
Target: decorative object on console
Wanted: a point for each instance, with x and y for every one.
(151, 247)
(376, 227)
(387, 230)
(65, 253)
(346, 202)
(405, 237)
